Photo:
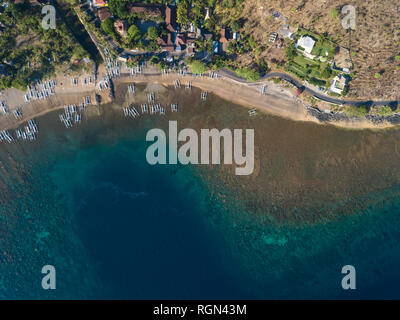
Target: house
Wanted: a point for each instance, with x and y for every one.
(339, 84)
(18, 1)
(170, 18)
(286, 33)
(120, 27)
(208, 36)
(180, 41)
(207, 14)
(223, 35)
(272, 37)
(34, 3)
(215, 47)
(166, 44)
(123, 58)
(103, 13)
(224, 39)
(147, 9)
(100, 3)
(306, 44)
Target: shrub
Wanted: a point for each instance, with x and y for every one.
(197, 67)
(334, 13)
(356, 111)
(386, 111)
(249, 74)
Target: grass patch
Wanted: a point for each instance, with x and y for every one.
(353, 111)
(386, 111)
(334, 13)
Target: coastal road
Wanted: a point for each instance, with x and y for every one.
(368, 103)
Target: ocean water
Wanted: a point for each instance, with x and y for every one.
(86, 201)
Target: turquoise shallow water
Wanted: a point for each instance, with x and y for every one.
(87, 202)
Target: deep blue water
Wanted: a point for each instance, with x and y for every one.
(87, 202)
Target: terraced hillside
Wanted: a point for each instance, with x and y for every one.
(374, 45)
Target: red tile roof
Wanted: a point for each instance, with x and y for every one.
(152, 10)
(223, 35)
(103, 13)
(170, 18)
(100, 3)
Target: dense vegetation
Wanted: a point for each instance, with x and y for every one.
(31, 52)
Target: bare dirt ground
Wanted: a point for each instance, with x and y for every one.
(373, 45)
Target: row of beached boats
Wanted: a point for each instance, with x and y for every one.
(28, 132)
(71, 116)
(4, 107)
(40, 90)
(151, 109)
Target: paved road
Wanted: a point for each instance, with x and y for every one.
(316, 94)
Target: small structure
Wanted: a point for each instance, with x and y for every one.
(166, 44)
(207, 14)
(147, 9)
(339, 83)
(272, 37)
(224, 35)
(180, 41)
(276, 14)
(34, 3)
(215, 47)
(100, 3)
(299, 91)
(120, 27)
(103, 13)
(170, 18)
(307, 43)
(208, 36)
(123, 58)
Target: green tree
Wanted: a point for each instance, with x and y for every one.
(197, 67)
(154, 60)
(108, 26)
(119, 8)
(249, 74)
(235, 26)
(163, 65)
(182, 13)
(133, 35)
(291, 52)
(152, 33)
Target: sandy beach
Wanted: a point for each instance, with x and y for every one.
(279, 100)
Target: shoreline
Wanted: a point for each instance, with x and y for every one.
(278, 101)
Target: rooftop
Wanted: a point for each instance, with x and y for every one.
(307, 43)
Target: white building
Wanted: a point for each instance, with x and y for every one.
(338, 84)
(307, 43)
